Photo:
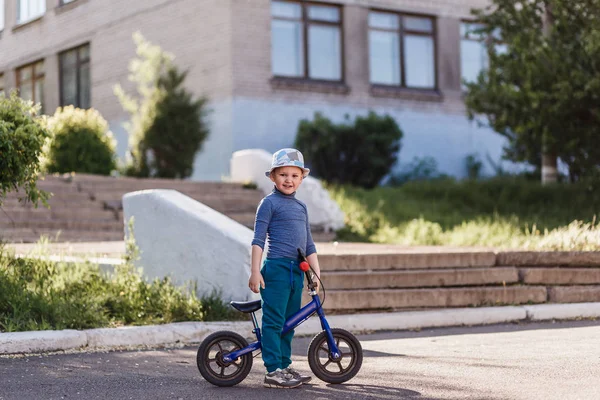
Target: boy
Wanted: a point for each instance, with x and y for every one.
(280, 281)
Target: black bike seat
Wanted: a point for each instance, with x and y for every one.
(246, 306)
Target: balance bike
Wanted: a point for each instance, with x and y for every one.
(334, 355)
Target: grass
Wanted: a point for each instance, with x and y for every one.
(500, 213)
(38, 294)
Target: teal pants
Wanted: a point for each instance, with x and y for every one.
(281, 298)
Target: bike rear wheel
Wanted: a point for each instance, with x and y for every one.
(335, 371)
(211, 364)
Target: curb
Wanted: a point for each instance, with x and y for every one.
(186, 333)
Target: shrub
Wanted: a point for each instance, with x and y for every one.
(22, 137)
(359, 153)
(81, 142)
(419, 169)
(473, 166)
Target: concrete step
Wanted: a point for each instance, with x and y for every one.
(549, 258)
(560, 276)
(30, 235)
(379, 299)
(420, 279)
(408, 260)
(574, 294)
(53, 202)
(221, 202)
(323, 236)
(57, 195)
(60, 213)
(65, 224)
(97, 182)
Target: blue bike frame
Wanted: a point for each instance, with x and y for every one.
(291, 323)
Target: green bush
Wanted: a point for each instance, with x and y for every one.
(81, 142)
(22, 137)
(419, 169)
(359, 153)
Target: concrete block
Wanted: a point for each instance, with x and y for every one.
(560, 276)
(540, 312)
(427, 278)
(432, 298)
(548, 258)
(416, 319)
(189, 241)
(41, 341)
(574, 294)
(250, 166)
(421, 260)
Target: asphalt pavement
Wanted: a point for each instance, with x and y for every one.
(548, 360)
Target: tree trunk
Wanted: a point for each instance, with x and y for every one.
(549, 168)
(549, 163)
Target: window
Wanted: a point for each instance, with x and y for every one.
(401, 50)
(473, 52)
(30, 82)
(74, 75)
(1, 15)
(1, 84)
(30, 9)
(306, 40)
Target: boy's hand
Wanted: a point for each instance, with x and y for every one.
(316, 282)
(256, 282)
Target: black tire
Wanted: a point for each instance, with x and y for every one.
(211, 366)
(335, 371)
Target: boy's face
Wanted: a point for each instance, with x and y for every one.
(287, 179)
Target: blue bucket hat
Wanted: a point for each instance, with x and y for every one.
(288, 158)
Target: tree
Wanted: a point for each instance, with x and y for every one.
(167, 127)
(22, 137)
(541, 93)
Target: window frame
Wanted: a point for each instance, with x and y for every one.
(2, 15)
(78, 65)
(401, 32)
(306, 22)
(34, 78)
(29, 17)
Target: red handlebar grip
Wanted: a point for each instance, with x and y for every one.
(304, 266)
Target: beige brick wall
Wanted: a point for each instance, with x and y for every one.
(224, 43)
(198, 33)
(252, 54)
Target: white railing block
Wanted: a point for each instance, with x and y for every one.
(183, 238)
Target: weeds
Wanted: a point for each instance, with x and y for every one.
(38, 294)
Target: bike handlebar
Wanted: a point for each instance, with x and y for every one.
(305, 267)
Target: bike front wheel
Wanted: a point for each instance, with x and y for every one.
(331, 370)
(210, 359)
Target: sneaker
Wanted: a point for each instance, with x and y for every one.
(297, 375)
(281, 380)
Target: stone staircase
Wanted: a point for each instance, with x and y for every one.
(87, 208)
(377, 278)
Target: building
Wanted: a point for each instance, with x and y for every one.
(264, 65)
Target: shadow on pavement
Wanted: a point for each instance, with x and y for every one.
(467, 330)
(354, 391)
